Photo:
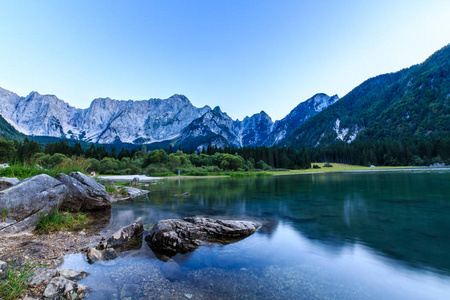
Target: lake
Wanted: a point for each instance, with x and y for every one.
(374, 235)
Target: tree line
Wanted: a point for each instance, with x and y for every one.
(98, 159)
(386, 152)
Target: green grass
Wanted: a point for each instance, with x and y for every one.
(16, 280)
(57, 220)
(111, 189)
(163, 174)
(4, 214)
(335, 168)
(197, 173)
(25, 171)
(250, 174)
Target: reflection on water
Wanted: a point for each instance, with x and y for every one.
(381, 235)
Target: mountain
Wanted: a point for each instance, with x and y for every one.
(159, 123)
(413, 102)
(105, 121)
(9, 132)
(217, 128)
(299, 115)
(6, 129)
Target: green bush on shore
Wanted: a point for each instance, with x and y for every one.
(33, 160)
(57, 220)
(16, 280)
(22, 171)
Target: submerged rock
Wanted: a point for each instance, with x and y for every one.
(94, 255)
(73, 275)
(181, 236)
(84, 193)
(129, 291)
(181, 195)
(171, 270)
(62, 288)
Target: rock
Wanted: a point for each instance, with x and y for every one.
(62, 288)
(29, 198)
(3, 270)
(42, 276)
(73, 275)
(116, 198)
(126, 238)
(129, 291)
(134, 192)
(7, 182)
(108, 254)
(177, 236)
(84, 193)
(171, 270)
(135, 181)
(184, 194)
(189, 296)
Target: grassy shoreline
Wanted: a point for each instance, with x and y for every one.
(337, 168)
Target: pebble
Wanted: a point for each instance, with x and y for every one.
(189, 296)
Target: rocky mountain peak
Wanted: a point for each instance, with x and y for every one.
(217, 110)
(173, 120)
(180, 98)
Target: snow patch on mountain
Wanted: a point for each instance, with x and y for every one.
(346, 134)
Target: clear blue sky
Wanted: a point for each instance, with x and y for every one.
(243, 55)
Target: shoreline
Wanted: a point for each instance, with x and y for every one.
(147, 179)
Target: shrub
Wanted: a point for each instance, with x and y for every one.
(163, 174)
(16, 280)
(57, 220)
(152, 169)
(197, 173)
(262, 165)
(124, 192)
(110, 189)
(316, 167)
(327, 165)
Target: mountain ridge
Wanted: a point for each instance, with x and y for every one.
(173, 121)
(412, 102)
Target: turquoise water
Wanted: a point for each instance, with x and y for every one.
(324, 236)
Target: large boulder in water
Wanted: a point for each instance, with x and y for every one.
(29, 198)
(181, 236)
(126, 238)
(84, 193)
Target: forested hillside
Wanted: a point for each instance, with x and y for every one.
(9, 132)
(413, 102)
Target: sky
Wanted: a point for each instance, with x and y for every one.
(244, 56)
